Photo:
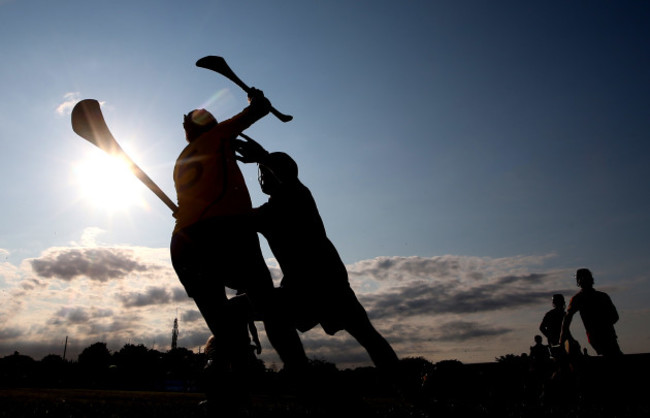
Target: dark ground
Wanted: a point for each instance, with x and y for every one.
(509, 388)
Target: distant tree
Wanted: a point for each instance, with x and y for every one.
(181, 363)
(17, 369)
(53, 370)
(53, 359)
(416, 365)
(512, 358)
(322, 366)
(95, 357)
(132, 356)
(93, 365)
(137, 366)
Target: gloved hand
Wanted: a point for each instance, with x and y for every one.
(258, 102)
(250, 151)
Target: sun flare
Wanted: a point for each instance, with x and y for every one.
(106, 182)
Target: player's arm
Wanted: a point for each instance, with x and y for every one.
(613, 311)
(250, 151)
(565, 332)
(258, 108)
(543, 329)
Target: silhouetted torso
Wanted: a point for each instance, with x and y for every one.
(296, 235)
(207, 179)
(315, 280)
(598, 315)
(552, 325)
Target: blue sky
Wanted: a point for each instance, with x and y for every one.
(466, 157)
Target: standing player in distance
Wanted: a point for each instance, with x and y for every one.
(315, 287)
(598, 315)
(212, 247)
(551, 325)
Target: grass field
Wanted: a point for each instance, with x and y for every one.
(76, 403)
(96, 403)
(488, 390)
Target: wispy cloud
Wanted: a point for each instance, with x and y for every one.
(69, 100)
(415, 286)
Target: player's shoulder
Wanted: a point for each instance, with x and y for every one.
(575, 299)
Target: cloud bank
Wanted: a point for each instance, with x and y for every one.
(443, 307)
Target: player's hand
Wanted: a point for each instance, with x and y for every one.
(258, 101)
(250, 151)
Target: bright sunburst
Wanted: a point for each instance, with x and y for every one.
(106, 182)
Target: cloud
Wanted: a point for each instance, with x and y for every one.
(465, 330)
(7, 270)
(99, 264)
(399, 269)
(152, 296)
(8, 333)
(69, 100)
(416, 286)
(79, 315)
(75, 316)
(191, 316)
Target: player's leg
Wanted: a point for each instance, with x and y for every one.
(359, 326)
(256, 280)
(282, 333)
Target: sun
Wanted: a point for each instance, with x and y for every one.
(106, 182)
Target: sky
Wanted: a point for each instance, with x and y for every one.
(466, 157)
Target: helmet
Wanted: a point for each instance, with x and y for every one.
(197, 122)
(283, 167)
(277, 168)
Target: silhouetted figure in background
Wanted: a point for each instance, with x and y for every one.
(598, 315)
(315, 287)
(540, 366)
(539, 353)
(551, 325)
(598, 380)
(214, 247)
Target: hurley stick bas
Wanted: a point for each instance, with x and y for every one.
(88, 122)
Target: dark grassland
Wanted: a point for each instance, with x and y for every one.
(511, 387)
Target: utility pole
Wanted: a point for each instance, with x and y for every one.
(65, 347)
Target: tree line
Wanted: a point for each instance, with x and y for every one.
(136, 367)
(513, 384)
(131, 367)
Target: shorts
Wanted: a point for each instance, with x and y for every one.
(334, 309)
(217, 252)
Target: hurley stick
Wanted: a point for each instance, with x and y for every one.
(220, 65)
(88, 122)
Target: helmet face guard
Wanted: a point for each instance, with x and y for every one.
(265, 177)
(278, 168)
